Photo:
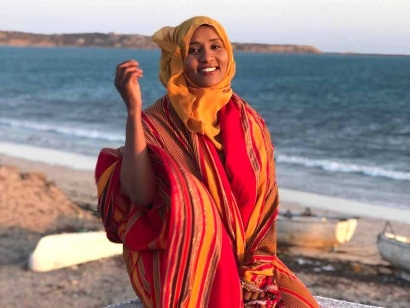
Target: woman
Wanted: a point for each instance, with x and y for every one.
(192, 195)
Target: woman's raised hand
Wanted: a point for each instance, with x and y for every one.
(127, 84)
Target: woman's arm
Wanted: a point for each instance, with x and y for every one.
(137, 175)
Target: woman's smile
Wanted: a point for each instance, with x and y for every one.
(207, 60)
(208, 70)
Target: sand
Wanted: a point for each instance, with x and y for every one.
(38, 198)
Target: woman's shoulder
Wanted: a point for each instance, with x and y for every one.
(156, 107)
(246, 106)
(161, 115)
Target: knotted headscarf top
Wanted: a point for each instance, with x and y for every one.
(197, 107)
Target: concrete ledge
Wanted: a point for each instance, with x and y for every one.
(67, 249)
(323, 301)
(333, 303)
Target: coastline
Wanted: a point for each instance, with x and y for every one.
(51, 158)
(344, 206)
(355, 270)
(360, 54)
(130, 41)
(48, 156)
(239, 50)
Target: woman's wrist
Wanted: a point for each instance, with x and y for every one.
(134, 112)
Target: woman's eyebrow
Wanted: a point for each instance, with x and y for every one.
(211, 40)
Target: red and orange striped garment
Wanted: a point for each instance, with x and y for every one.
(213, 220)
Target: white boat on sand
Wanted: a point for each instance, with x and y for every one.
(314, 231)
(395, 249)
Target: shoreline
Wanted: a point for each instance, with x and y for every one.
(48, 156)
(344, 206)
(322, 53)
(24, 155)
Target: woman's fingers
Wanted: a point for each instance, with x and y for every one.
(255, 296)
(126, 82)
(262, 296)
(123, 68)
(128, 76)
(127, 63)
(247, 295)
(122, 74)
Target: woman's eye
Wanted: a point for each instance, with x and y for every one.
(216, 46)
(193, 50)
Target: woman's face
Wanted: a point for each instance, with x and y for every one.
(207, 60)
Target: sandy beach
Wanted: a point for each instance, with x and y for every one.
(37, 199)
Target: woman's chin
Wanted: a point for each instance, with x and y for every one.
(206, 83)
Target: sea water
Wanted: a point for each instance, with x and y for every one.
(340, 123)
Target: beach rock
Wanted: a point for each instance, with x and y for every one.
(30, 202)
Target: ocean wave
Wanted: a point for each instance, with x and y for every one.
(64, 130)
(49, 156)
(334, 166)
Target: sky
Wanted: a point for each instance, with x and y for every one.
(365, 26)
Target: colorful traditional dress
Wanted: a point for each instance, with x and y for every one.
(213, 220)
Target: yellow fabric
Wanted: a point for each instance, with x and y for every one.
(213, 182)
(196, 107)
(104, 179)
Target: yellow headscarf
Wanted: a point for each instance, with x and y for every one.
(197, 107)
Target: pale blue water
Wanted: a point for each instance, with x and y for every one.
(340, 124)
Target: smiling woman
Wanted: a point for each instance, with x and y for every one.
(192, 195)
(207, 60)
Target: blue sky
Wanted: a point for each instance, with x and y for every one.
(369, 26)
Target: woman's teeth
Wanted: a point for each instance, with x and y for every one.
(209, 69)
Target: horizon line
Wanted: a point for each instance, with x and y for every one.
(149, 36)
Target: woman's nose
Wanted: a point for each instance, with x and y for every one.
(206, 55)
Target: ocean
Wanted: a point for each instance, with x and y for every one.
(340, 123)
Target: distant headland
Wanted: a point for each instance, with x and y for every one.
(136, 41)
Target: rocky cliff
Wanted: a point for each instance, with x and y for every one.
(114, 40)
